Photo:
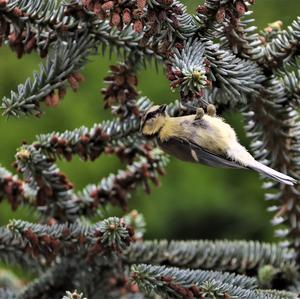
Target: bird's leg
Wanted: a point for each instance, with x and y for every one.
(199, 113)
(211, 110)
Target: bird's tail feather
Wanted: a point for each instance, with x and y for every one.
(271, 173)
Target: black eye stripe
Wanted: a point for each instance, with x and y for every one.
(151, 115)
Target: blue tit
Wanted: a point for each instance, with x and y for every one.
(203, 138)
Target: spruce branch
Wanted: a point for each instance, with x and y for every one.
(109, 236)
(120, 94)
(274, 294)
(242, 38)
(126, 38)
(90, 143)
(291, 81)
(283, 48)
(176, 283)
(48, 85)
(119, 14)
(12, 252)
(49, 13)
(124, 42)
(169, 22)
(233, 30)
(50, 240)
(186, 69)
(46, 21)
(187, 24)
(87, 143)
(128, 149)
(15, 190)
(234, 256)
(157, 19)
(50, 283)
(273, 126)
(55, 197)
(116, 189)
(259, 71)
(204, 70)
(40, 171)
(147, 31)
(220, 11)
(137, 222)
(233, 79)
(114, 136)
(32, 25)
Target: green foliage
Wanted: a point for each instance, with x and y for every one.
(214, 56)
(176, 283)
(68, 58)
(238, 256)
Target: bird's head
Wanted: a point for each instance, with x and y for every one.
(153, 120)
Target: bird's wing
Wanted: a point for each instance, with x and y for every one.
(187, 150)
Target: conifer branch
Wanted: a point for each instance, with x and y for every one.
(32, 25)
(50, 283)
(55, 197)
(239, 256)
(137, 222)
(123, 42)
(234, 256)
(49, 84)
(103, 238)
(230, 24)
(291, 81)
(14, 189)
(50, 14)
(284, 47)
(176, 283)
(169, 23)
(220, 11)
(121, 97)
(88, 144)
(215, 56)
(274, 294)
(121, 93)
(232, 78)
(116, 189)
(203, 69)
(274, 128)
(242, 38)
(12, 252)
(187, 70)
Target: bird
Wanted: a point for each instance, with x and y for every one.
(202, 138)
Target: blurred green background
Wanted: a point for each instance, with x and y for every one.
(193, 201)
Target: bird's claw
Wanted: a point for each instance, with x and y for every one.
(211, 110)
(199, 113)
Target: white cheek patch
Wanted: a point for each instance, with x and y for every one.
(194, 155)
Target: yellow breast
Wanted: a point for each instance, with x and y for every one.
(213, 134)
